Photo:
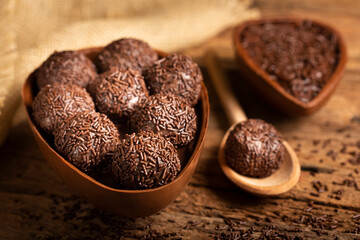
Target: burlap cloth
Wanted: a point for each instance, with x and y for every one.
(31, 30)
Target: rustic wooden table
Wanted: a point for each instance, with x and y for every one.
(35, 204)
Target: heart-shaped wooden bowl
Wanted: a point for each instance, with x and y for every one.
(272, 92)
(133, 203)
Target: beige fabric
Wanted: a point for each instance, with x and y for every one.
(9, 86)
(43, 26)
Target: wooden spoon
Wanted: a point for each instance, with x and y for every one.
(281, 180)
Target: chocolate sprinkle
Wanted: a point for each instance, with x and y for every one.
(176, 74)
(145, 160)
(57, 102)
(119, 92)
(319, 186)
(168, 115)
(87, 140)
(126, 53)
(67, 67)
(300, 56)
(254, 148)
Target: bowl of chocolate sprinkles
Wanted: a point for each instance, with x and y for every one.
(294, 64)
(132, 196)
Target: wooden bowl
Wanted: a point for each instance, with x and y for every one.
(133, 203)
(270, 90)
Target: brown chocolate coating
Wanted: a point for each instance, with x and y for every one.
(254, 148)
(57, 102)
(87, 140)
(67, 67)
(176, 74)
(118, 92)
(126, 53)
(168, 115)
(145, 160)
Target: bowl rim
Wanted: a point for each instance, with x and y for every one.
(330, 84)
(205, 106)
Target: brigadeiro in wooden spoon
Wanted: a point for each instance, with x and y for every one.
(252, 154)
(254, 148)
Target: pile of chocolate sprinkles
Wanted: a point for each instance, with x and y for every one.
(57, 102)
(87, 140)
(300, 56)
(67, 67)
(168, 115)
(119, 92)
(145, 160)
(126, 53)
(176, 74)
(254, 148)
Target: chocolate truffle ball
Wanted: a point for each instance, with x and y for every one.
(145, 160)
(126, 53)
(118, 92)
(176, 74)
(168, 115)
(67, 67)
(87, 140)
(57, 102)
(254, 148)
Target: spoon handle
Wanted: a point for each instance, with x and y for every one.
(230, 104)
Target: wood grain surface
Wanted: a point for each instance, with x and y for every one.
(35, 204)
